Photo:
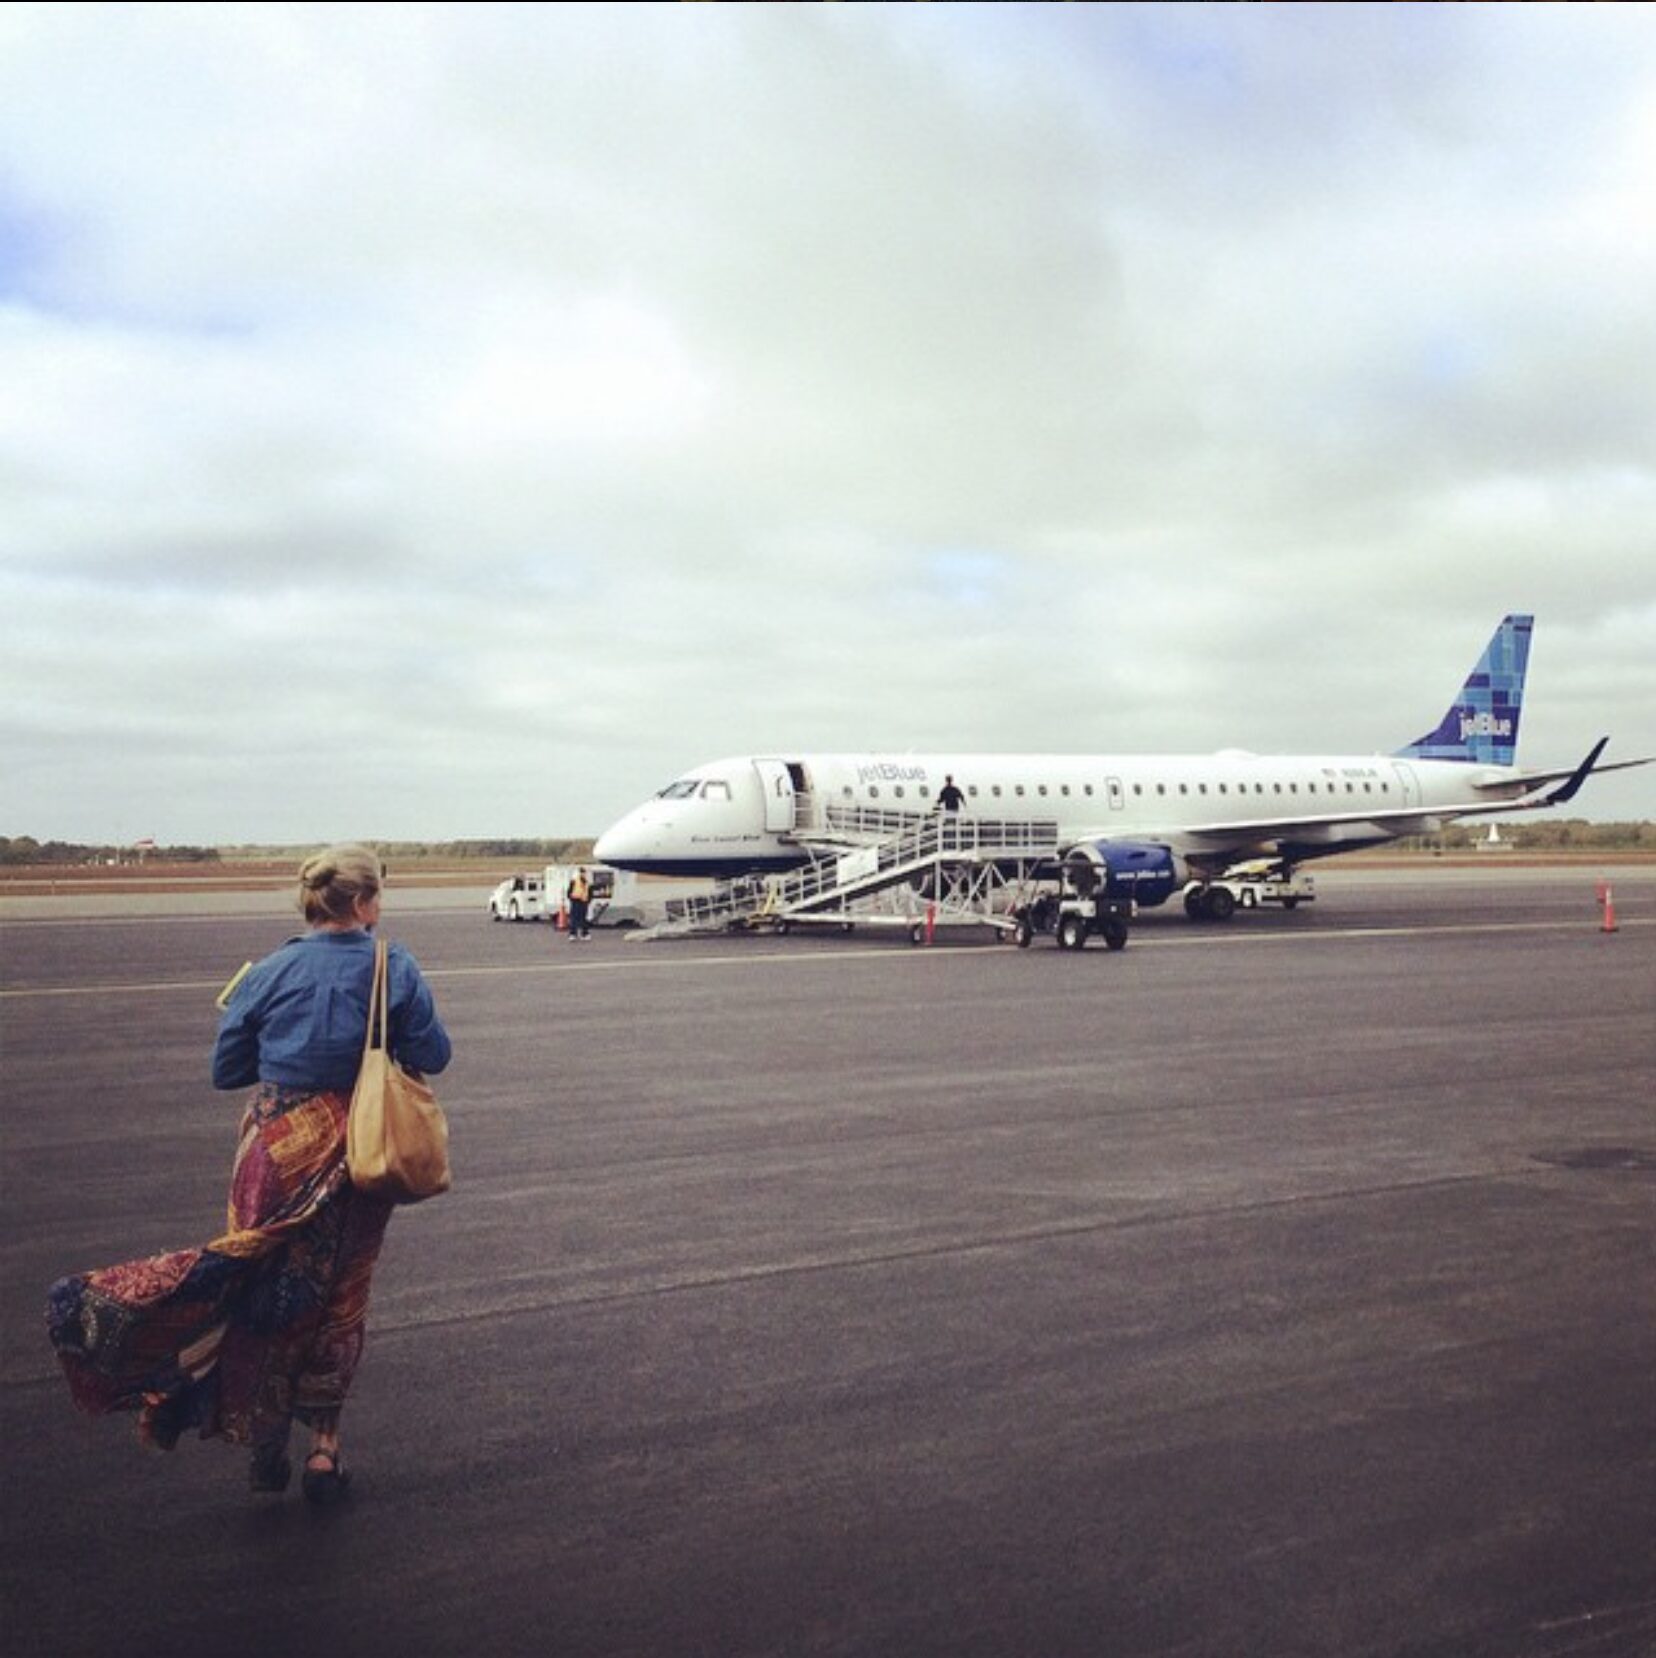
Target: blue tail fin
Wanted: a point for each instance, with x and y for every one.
(1481, 725)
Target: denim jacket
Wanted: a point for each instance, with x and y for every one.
(299, 1016)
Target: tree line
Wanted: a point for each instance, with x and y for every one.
(1571, 834)
(523, 849)
(25, 849)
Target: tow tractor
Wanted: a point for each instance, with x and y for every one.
(1077, 907)
(1247, 886)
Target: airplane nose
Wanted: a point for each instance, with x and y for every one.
(623, 843)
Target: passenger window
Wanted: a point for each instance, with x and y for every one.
(925, 793)
(1019, 791)
(995, 790)
(971, 789)
(1064, 790)
(873, 791)
(898, 791)
(1184, 788)
(1201, 788)
(1161, 788)
(1041, 790)
(1087, 788)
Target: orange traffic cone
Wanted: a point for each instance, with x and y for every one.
(931, 922)
(1609, 902)
(561, 920)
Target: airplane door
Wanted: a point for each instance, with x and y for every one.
(1118, 799)
(777, 786)
(1410, 783)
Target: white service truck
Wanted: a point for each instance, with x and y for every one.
(619, 897)
(540, 894)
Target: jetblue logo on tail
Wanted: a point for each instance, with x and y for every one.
(1481, 725)
(1484, 725)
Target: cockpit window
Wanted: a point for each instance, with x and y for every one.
(679, 791)
(715, 789)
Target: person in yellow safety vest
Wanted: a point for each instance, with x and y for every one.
(580, 895)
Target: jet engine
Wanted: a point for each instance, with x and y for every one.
(1143, 871)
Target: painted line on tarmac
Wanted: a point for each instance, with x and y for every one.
(493, 971)
(283, 913)
(42, 1374)
(1079, 1229)
(1455, 928)
(832, 956)
(887, 952)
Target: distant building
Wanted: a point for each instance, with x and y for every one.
(1493, 842)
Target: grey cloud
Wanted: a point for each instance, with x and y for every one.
(626, 389)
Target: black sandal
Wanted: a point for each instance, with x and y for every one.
(325, 1485)
(162, 1420)
(271, 1469)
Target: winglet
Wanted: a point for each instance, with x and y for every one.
(1566, 791)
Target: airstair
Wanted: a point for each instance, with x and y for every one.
(887, 869)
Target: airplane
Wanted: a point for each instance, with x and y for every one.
(1158, 823)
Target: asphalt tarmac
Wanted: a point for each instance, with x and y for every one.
(1283, 1288)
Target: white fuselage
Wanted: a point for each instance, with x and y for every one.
(746, 814)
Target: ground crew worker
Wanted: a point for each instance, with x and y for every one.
(580, 895)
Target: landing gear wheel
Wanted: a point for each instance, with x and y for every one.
(1193, 902)
(1072, 933)
(1114, 930)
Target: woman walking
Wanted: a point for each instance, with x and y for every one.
(264, 1326)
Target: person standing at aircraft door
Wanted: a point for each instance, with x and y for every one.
(949, 797)
(580, 896)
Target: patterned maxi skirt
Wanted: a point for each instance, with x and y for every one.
(263, 1325)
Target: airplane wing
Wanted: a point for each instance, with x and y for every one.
(1309, 834)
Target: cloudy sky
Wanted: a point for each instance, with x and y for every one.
(436, 422)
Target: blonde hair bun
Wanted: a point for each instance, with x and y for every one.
(332, 880)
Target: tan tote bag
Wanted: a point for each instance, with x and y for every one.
(396, 1140)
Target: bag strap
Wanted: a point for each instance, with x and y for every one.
(379, 1000)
